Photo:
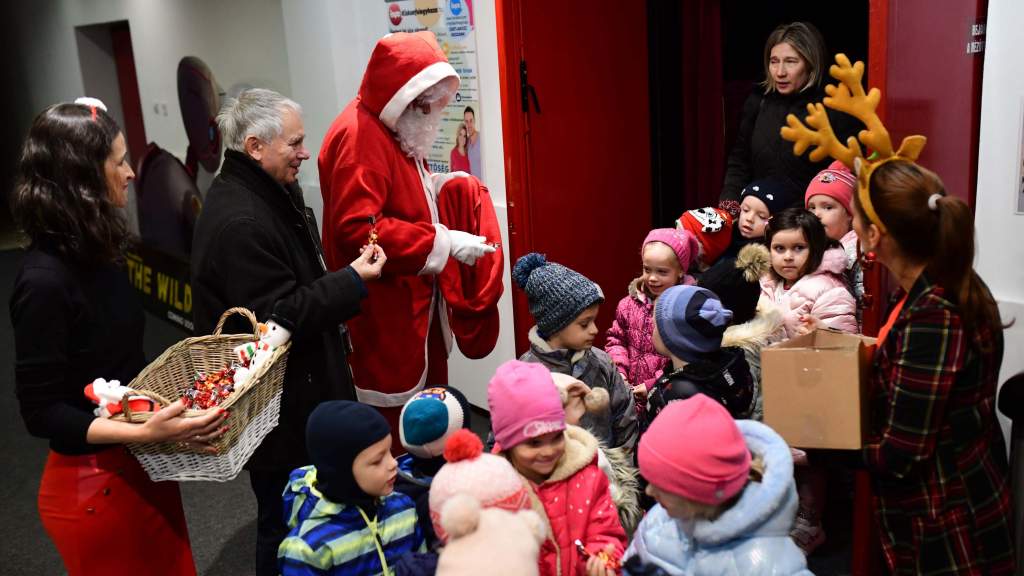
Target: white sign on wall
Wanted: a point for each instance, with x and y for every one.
(457, 146)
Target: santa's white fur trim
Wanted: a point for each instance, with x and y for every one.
(414, 87)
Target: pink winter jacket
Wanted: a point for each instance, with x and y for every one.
(578, 506)
(823, 294)
(630, 340)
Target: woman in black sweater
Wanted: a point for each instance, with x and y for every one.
(795, 68)
(76, 318)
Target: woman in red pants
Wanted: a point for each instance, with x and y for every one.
(76, 318)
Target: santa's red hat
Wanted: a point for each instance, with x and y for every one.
(401, 67)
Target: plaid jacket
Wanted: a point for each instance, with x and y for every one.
(937, 453)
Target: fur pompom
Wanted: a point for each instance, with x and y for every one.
(463, 445)
(460, 515)
(538, 527)
(526, 265)
(755, 262)
(596, 400)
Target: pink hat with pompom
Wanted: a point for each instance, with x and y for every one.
(489, 478)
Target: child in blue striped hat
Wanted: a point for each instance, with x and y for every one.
(688, 325)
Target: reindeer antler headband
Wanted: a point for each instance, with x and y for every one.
(849, 97)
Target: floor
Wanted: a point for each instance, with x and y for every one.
(221, 516)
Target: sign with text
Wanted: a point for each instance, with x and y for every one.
(163, 280)
(457, 146)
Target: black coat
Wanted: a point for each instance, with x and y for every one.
(256, 245)
(723, 376)
(760, 151)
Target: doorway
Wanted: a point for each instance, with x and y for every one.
(107, 61)
(576, 135)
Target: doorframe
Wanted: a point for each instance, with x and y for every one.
(515, 129)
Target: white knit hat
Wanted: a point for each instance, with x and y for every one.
(489, 478)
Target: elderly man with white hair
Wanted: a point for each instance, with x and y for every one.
(375, 182)
(256, 245)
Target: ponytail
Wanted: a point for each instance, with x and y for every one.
(952, 264)
(933, 228)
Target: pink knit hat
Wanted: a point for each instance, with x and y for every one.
(710, 470)
(835, 181)
(682, 242)
(488, 478)
(524, 403)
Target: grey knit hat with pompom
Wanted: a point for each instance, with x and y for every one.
(557, 295)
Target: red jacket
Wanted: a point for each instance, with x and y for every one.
(364, 174)
(577, 505)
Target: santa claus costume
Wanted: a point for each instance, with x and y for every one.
(372, 184)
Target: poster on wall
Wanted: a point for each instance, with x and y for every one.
(457, 146)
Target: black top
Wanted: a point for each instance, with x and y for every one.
(71, 326)
(760, 151)
(256, 245)
(724, 376)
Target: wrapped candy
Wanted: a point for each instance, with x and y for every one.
(209, 390)
(611, 563)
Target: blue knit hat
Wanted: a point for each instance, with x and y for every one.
(691, 321)
(557, 295)
(429, 418)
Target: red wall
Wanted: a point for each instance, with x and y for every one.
(933, 86)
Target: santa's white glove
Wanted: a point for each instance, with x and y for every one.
(466, 247)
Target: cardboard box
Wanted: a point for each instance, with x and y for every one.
(815, 389)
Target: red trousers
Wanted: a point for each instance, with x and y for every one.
(108, 518)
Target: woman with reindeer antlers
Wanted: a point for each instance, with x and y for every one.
(936, 451)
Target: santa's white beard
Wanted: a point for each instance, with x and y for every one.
(417, 131)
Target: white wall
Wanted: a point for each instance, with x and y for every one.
(328, 45)
(314, 51)
(241, 40)
(1000, 232)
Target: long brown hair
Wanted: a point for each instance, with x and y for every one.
(61, 198)
(942, 239)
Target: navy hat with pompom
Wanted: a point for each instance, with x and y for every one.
(557, 295)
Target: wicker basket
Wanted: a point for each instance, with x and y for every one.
(254, 410)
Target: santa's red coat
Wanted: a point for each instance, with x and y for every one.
(365, 174)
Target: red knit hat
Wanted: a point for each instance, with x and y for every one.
(837, 182)
(713, 229)
(709, 471)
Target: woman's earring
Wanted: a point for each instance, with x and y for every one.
(867, 260)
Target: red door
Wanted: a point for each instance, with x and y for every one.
(578, 161)
(932, 62)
